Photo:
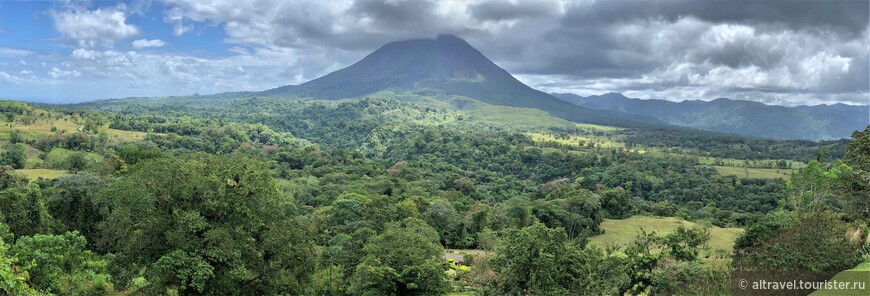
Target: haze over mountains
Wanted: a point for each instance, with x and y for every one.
(737, 116)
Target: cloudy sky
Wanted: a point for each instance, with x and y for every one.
(777, 52)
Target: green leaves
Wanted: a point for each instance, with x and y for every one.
(401, 261)
(14, 155)
(187, 227)
(181, 271)
(24, 211)
(528, 261)
(806, 242)
(61, 264)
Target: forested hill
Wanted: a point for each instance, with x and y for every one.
(740, 117)
(269, 196)
(447, 65)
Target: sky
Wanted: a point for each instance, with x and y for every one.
(775, 52)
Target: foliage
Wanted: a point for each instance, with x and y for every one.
(13, 279)
(532, 261)
(62, 264)
(853, 189)
(209, 215)
(650, 255)
(13, 155)
(812, 188)
(400, 261)
(72, 203)
(806, 242)
(24, 211)
(270, 196)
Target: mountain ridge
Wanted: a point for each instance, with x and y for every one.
(819, 122)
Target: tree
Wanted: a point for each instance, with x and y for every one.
(617, 204)
(23, 209)
(15, 137)
(14, 155)
(812, 188)
(345, 215)
(441, 215)
(133, 153)
(62, 264)
(684, 244)
(205, 224)
(853, 188)
(532, 261)
(515, 212)
(346, 251)
(13, 279)
(9, 178)
(72, 203)
(76, 162)
(401, 261)
(646, 262)
(806, 242)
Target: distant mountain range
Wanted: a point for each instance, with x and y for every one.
(449, 65)
(446, 65)
(740, 117)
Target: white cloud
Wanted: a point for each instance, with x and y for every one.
(277, 42)
(9, 78)
(58, 73)
(160, 73)
(348, 25)
(91, 28)
(82, 54)
(143, 43)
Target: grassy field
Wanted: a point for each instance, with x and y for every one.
(34, 174)
(463, 110)
(121, 136)
(621, 232)
(731, 162)
(754, 173)
(40, 128)
(603, 128)
(574, 140)
(860, 273)
(513, 117)
(57, 157)
(43, 125)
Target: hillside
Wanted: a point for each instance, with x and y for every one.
(445, 65)
(820, 122)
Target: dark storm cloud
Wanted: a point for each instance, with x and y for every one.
(844, 16)
(778, 48)
(788, 52)
(501, 10)
(378, 22)
(396, 14)
(584, 42)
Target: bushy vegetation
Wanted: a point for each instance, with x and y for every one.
(264, 197)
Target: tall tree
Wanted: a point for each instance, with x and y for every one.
(205, 224)
(854, 188)
(402, 261)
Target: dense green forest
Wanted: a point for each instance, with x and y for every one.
(398, 195)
